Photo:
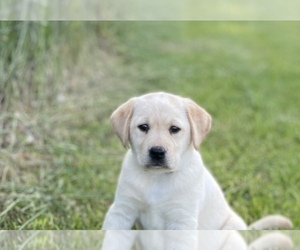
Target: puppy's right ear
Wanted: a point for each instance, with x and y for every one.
(121, 119)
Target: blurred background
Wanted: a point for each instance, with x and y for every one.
(60, 81)
(149, 10)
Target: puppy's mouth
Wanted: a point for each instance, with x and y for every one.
(157, 165)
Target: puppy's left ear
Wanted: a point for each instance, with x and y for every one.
(200, 122)
(121, 119)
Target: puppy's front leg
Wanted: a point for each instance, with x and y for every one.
(120, 216)
(181, 240)
(119, 239)
(183, 224)
(182, 218)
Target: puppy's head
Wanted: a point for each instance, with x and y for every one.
(160, 128)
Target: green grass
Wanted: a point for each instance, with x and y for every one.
(52, 240)
(245, 74)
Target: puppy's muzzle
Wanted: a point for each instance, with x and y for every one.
(157, 154)
(157, 157)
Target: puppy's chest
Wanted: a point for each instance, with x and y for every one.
(153, 207)
(156, 194)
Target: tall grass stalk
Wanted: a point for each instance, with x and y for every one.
(33, 57)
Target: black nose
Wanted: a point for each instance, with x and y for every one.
(157, 153)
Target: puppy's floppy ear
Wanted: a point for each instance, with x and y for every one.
(121, 119)
(200, 122)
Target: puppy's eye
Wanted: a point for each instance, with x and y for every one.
(144, 128)
(174, 130)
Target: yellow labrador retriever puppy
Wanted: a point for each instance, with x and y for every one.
(164, 184)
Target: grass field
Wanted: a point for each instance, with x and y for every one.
(245, 74)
